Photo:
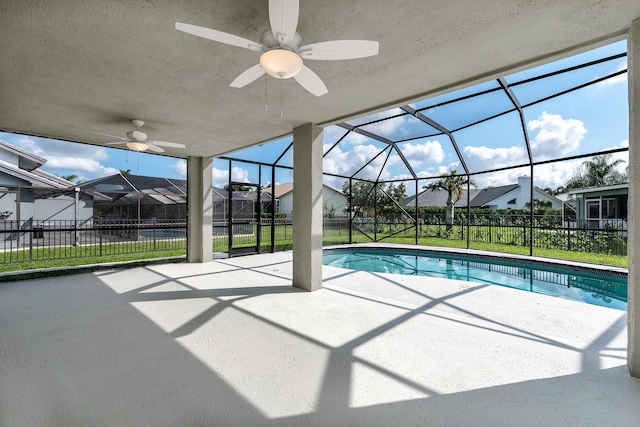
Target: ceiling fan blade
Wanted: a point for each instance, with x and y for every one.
(117, 143)
(218, 36)
(106, 134)
(310, 81)
(166, 143)
(248, 76)
(339, 49)
(283, 16)
(154, 147)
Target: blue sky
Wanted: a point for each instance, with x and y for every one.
(585, 121)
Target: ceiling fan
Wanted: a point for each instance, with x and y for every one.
(137, 140)
(283, 52)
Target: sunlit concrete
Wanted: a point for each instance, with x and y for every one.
(230, 342)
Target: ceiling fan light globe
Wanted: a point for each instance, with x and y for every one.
(137, 146)
(281, 63)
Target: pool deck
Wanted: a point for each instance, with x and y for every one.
(230, 342)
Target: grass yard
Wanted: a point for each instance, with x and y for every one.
(143, 250)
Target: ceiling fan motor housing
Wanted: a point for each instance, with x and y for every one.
(137, 135)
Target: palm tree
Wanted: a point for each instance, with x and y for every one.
(598, 172)
(454, 185)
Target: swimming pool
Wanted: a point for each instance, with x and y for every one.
(604, 288)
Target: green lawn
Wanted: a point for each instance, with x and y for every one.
(54, 257)
(587, 257)
(131, 251)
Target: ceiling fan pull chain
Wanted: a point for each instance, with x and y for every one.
(281, 113)
(266, 105)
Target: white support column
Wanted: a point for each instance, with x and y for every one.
(307, 207)
(200, 210)
(633, 305)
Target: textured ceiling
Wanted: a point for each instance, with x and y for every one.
(68, 67)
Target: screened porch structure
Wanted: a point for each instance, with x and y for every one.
(543, 123)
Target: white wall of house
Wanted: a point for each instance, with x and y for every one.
(330, 198)
(334, 200)
(9, 157)
(285, 204)
(520, 196)
(8, 199)
(63, 208)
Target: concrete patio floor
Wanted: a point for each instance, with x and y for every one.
(232, 343)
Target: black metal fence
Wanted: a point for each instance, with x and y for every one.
(607, 236)
(26, 241)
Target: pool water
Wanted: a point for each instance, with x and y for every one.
(577, 285)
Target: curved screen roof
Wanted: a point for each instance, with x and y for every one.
(563, 110)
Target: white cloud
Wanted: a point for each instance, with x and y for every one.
(80, 164)
(332, 134)
(483, 158)
(180, 168)
(49, 148)
(426, 152)
(220, 177)
(346, 163)
(83, 160)
(620, 78)
(556, 137)
(390, 128)
(355, 139)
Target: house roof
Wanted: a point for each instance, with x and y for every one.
(479, 197)
(430, 198)
(26, 160)
(280, 189)
(487, 195)
(158, 190)
(35, 178)
(595, 189)
(287, 187)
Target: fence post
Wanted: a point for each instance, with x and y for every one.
(569, 235)
(490, 232)
(154, 233)
(31, 242)
(100, 234)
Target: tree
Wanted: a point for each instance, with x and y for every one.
(125, 172)
(366, 198)
(238, 187)
(71, 178)
(397, 192)
(539, 206)
(598, 172)
(454, 185)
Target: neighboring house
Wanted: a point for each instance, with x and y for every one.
(334, 203)
(136, 196)
(602, 207)
(512, 196)
(244, 204)
(30, 194)
(428, 198)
